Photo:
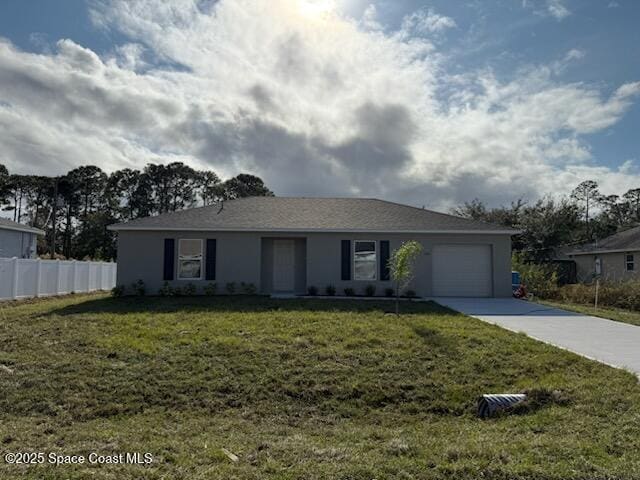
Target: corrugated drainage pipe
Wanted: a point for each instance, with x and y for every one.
(490, 404)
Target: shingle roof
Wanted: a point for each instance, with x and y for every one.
(310, 214)
(628, 240)
(6, 224)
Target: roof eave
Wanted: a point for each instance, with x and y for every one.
(24, 229)
(612, 250)
(124, 227)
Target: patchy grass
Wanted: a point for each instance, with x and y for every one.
(612, 313)
(296, 389)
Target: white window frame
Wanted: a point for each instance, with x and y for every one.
(201, 259)
(628, 262)
(375, 272)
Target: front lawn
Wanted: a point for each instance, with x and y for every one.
(299, 389)
(612, 313)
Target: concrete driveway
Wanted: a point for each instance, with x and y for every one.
(614, 343)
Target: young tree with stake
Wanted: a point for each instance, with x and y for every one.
(401, 265)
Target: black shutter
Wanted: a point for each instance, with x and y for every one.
(346, 259)
(384, 259)
(169, 256)
(211, 259)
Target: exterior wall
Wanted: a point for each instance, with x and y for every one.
(266, 278)
(612, 266)
(141, 256)
(301, 265)
(323, 260)
(248, 257)
(17, 244)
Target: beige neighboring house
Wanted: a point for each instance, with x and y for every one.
(614, 258)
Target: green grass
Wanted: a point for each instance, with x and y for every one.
(299, 390)
(612, 313)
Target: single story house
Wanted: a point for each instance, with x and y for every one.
(286, 245)
(613, 258)
(17, 239)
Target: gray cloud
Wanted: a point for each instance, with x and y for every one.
(263, 98)
(379, 150)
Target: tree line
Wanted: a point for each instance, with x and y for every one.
(89, 199)
(79, 205)
(551, 225)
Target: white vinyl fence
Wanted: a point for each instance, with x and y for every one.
(23, 278)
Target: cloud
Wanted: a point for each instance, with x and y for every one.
(560, 66)
(425, 22)
(574, 54)
(545, 8)
(315, 104)
(557, 9)
(369, 18)
(130, 56)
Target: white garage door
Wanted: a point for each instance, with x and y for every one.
(462, 271)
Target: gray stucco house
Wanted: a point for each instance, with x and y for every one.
(17, 239)
(613, 258)
(286, 245)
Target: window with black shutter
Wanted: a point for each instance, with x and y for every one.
(384, 259)
(169, 256)
(346, 260)
(211, 259)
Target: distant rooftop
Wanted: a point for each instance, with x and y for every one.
(6, 224)
(311, 214)
(627, 240)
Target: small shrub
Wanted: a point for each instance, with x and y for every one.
(313, 291)
(330, 290)
(176, 291)
(210, 289)
(410, 293)
(389, 292)
(189, 290)
(540, 280)
(165, 290)
(248, 288)
(349, 292)
(370, 290)
(582, 294)
(625, 295)
(138, 288)
(231, 288)
(118, 291)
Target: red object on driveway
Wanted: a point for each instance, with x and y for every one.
(521, 291)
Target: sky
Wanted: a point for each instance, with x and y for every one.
(430, 103)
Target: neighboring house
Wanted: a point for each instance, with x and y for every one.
(565, 265)
(613, 258)
(18, 240)
(284, 244)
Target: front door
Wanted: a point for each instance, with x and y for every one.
(284, 265)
